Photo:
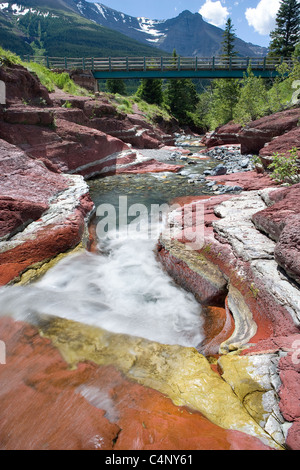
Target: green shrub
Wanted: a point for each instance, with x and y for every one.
(9, 58)
(284, 167)
(67, 104)
(252, 103)
(51, 80)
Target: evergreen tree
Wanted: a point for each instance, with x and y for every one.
(253, 100)
(229, 38)
(286, 34)
(225, 92)
(150, 90)
(181, 97)
(224, 97)
(116, 85)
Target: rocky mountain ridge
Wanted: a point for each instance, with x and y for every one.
(57, 28)
(188, 33)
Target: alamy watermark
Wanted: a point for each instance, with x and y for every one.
(296, 95)
(185, 223)
(2, 353)
(296, 354)
(2, 92)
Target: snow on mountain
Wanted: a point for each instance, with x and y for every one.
(188, 33)
(21, 10)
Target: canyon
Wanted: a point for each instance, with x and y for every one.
(239, 388)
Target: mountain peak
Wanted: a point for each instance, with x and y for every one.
(188, 33)
(189, 14)
(186, 13)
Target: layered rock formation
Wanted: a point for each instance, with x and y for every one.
(43, 214)
(48, 146)
(97, 407)
(280, 221)
(240, 263)
(22, 86)
(278, 132)
(249, 260)
(83, 135)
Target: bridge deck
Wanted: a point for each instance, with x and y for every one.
(167, 67)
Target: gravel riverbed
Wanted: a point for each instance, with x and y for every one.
(223, 160)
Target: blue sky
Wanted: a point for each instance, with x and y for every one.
(252, 19)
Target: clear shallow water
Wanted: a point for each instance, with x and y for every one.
(122, 288)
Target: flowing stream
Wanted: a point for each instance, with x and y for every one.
(121, 288)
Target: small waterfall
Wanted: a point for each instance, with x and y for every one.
(122, 289)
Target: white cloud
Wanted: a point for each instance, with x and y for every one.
(214, 12)
(263, 17)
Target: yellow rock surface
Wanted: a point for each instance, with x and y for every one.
(182, 374)
(36, 271)
(255, 382)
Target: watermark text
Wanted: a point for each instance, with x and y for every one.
(296, 354)
(296, 94)
(2, 353)
(184, 223)
(2, 92)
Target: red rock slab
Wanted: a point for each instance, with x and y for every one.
(279, 122)
(40, 409)
(94, 145)
(47, 406)
(29, 115)
(281, 222)
(70, 147)
(270, 317)
(204, 290)
(78, 149)
(287, 250)
(76, 115)
(47, 243)
(275, 218)
(27, 137)
(136, 132)
(19, 202)
(22, 85)
(149, 421)
(16, 214)
(99, 108)
(255, 134)
(282, 144)
(289, 393)
(284, 193)
(150, 166)
(249, 180)
(224, 135)
(19, 174)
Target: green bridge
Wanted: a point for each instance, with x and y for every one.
(167, 67)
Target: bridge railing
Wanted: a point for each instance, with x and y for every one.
(111, 64)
